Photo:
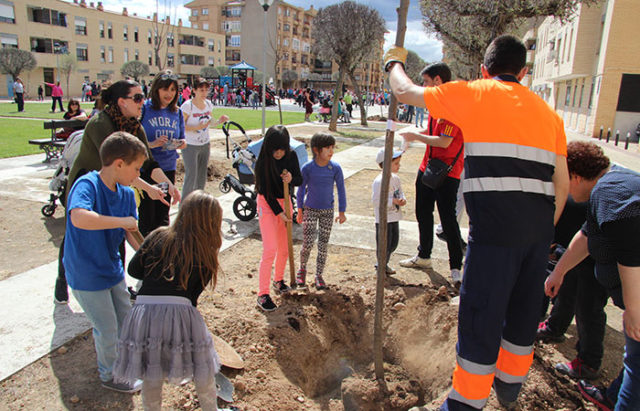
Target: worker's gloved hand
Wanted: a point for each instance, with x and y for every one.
(395, 55)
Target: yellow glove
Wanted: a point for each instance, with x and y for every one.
(395, 55)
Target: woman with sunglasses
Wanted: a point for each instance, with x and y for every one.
(197, 119)
(164, 125)
(123, 100)
(74, 112)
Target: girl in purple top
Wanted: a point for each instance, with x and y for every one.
(315, 205)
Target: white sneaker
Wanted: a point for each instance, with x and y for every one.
(416, 262)
(456, 276)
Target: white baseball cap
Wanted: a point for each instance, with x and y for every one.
(380, 155)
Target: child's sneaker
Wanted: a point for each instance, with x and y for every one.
(61, 293)
(266, 303)
(123, 387)
(456, 277)
(577, 369)
(595, 395)
(280, 287)
(416, 262)
(545, 334)
(301, 279)
(390, 270)
(320, 284)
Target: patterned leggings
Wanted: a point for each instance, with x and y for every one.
(312, 219)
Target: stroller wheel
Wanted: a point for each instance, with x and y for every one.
(244, 208)
(48, 210)
(224, 186)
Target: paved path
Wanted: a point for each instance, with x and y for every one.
(32, 325)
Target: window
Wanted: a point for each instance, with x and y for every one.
(575, 93)
(110, 55)
(285, 42)
(125, 33)
(171, 40)
(231, 26)
(101, 28)
(581, 93)
(205, 26)
(7, 14)
(81, 26)
(137, 55)
(195, 25)
(567, 98)
(593, 88)
(135, 34)
(233, 41)
(150, 58)
(126, 55)
(286, 27)
(279, 10)
(212, 45)
(194, 12)
(205, 12)
(211, 61)
(109, 30)
(219, 46)
(171, 60)
(82, 54)
(103, 55)
(192, 60)
(51, 46)
(149, 38)
(47, 16)
(296, 44)
(9, 41)
(287, 12)
(306, 47)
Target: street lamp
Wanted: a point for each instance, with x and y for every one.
(265, 6)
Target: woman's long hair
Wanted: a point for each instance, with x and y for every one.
(164, 80)
(119, 89)
(276, 138)
(192, 242)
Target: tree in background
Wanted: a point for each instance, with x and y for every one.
(414, 66)
(223, 71)
(135, 69)
(208, 72)
(289, 77)
(466, 27)
(163, 31)
(15, 61)
(347, 33)
(68, 64)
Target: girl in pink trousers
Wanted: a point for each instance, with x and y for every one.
(277, 165)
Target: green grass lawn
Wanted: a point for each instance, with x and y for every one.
(15, 133)
(38, 110)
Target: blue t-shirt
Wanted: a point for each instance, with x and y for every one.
(163, 122)
(316, 190)
(91, 257)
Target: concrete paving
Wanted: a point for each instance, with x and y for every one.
(32, 325)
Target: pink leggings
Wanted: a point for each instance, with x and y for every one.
(274, 244)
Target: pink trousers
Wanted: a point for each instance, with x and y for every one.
(274, 244)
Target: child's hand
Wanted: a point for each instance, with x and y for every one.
(223, 119)
(175, 194)
(341, 218)
(299, 217)
(129, 223)
(284, 217)
(286, 177)
(402, 202)
(182, 145)
(159, 142)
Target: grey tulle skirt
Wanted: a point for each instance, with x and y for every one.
(165, 337)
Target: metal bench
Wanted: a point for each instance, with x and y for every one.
(53, 146)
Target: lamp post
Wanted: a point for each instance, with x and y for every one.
(265, 6)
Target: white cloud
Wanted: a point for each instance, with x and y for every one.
(427, 46)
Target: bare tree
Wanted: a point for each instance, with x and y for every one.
(163, 31)
(468, 26)
(135, 69)
(15, 61)
(347, 33)
(68, 64)
(278, 53)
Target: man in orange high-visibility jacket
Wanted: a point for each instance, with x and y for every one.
(516, 184)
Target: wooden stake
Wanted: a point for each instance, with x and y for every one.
(287, 212)
(378, 337)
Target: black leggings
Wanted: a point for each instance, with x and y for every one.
(153, 214)
(53, 103)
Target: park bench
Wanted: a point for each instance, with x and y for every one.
(53, 146)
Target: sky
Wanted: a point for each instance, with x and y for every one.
(425, 45)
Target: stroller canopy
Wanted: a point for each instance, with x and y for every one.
(297, 146)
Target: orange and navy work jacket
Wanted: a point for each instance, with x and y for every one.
(512, 138)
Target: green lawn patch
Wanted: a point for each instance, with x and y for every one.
(15, 135)
(38, 110)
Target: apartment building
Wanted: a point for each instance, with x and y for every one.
(289, 46)
(588, 68)
(101, 42)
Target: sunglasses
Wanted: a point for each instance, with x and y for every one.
(137, 98)
(172, 77)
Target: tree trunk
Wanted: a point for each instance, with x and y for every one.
(378, 337)
(333, 125)
(363, 113)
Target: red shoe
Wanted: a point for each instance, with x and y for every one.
(577, 369)
(545, 334)
(595, 395)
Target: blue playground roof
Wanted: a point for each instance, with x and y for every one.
(242, 66)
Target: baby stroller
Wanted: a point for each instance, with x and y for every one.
(58, 183)
(244, 160)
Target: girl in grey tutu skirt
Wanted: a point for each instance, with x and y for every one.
(164, 335)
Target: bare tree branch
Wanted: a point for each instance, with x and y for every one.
(15, 61)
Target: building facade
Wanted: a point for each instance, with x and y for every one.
(588, 69)
(100, 41)
(289, 43)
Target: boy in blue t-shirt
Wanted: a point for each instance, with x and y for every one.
(101, 214)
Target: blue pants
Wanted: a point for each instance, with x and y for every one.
(106, 309)
(624, 391)
(500, 302)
